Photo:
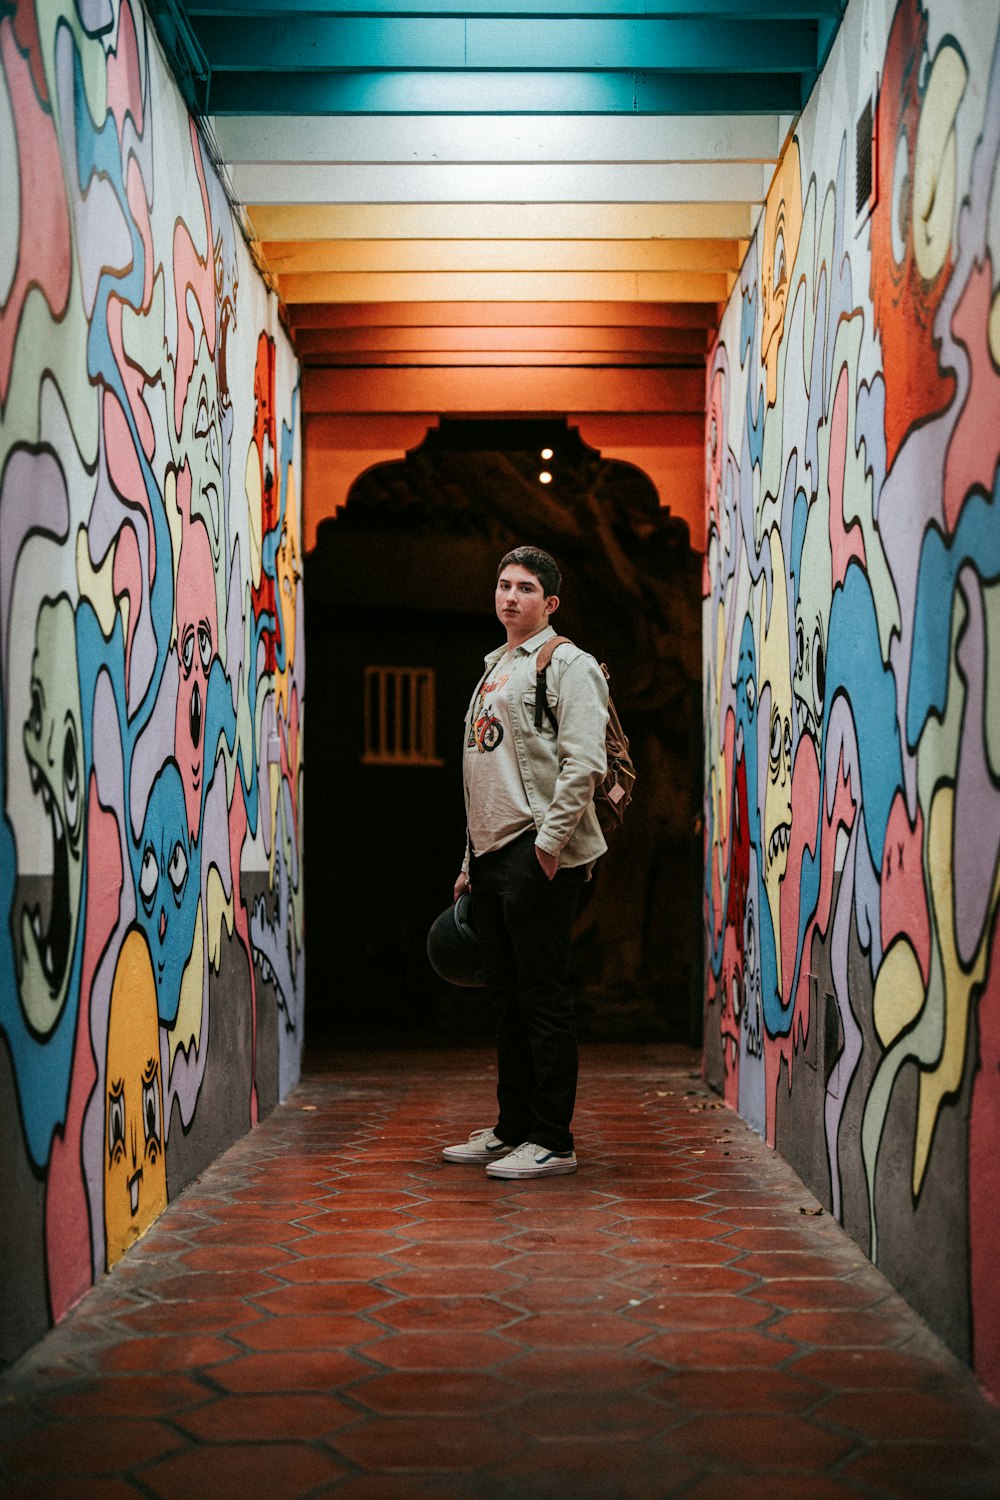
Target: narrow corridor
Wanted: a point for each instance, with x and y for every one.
(332, 1310)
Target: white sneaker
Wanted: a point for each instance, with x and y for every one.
(482, 1146)
(530, 1160)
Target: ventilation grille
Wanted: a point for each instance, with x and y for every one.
(864, 161)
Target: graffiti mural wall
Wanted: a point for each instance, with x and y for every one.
(151, 945)
(852, 662)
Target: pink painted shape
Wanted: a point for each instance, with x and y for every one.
(846, 542)
(44, 252)
(124, 79)
(904, 895)
(840, 815)
(241, 927)
(67, 1211)
(194, 274)
(972, 453)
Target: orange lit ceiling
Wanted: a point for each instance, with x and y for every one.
(500, 206)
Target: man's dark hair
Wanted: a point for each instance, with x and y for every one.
(536, 561)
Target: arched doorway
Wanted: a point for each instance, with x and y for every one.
(399, 612)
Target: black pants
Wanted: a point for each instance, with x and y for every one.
(524, 922)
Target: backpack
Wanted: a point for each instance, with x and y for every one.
(613, 795)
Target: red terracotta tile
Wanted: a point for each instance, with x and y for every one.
(321, 1298)
(733, 1390)
(72, 1488)
(555, 1263)
(467, 1281)
(710, 1312)
(938, 1471)
(441, 1351)
(458, 1231)
(771, 1486)
(677, 1252)
(281, 1471)
(164, 1352)
(585, 1470)
(119, 1396)
(342, 1268)
(250, 1233)
(372, 1242)
(568, 1368)
(400, 1487)
(427, 1443)
(803, 1293)
(261, 1418)
(195, 1286)
(292, 1370)
(461, 1253)
(433, 1392)
(902, 1414)
(724, 1351)
(92, 1446)
(792, 1262)
(869, 1369)
(563, 1294)
(759, 1442)
(839, 1329)
(602, 1417)
(235, 1257)
(709, 1280)
(591, 1329)
(685, 1228)
(330, 1331)
(203, 1315)
(446, 1314)
(796, 1236)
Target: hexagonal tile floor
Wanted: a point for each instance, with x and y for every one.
(333, 1310)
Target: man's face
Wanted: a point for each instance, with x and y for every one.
(523, 608)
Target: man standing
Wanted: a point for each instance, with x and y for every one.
(533, 838)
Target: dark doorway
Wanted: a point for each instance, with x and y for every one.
(399, 613)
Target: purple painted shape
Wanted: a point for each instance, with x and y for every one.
(842, 747)
(976, 831)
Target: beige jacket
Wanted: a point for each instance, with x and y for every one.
(560, 770)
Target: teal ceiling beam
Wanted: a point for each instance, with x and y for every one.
(294, 43)
(510, 93)
(776, 10)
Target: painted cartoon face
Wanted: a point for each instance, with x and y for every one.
(262, 481)
(815, 587)
(912, 221)
(168, 888)
(288, 574)
(777, 780)
(196, 637)
(53, 745)
(135, 1173)
(200, 446)
(715, 434)
(782, 227)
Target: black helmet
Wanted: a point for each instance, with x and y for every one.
(453, 947)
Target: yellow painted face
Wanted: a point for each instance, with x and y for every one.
(135, 1174)
(782, 228)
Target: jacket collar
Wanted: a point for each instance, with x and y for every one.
(527, 648)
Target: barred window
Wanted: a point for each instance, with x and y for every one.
(399, 717)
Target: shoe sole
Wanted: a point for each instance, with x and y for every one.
(563, 1169)
(470, 1159)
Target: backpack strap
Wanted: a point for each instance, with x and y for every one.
(541, 667)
